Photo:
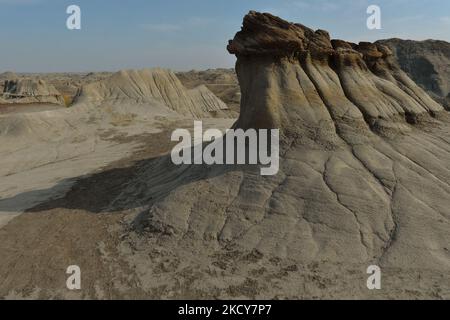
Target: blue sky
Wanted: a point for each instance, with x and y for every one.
(184, 34)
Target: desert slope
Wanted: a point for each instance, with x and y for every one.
(49, 145)
(364, 179)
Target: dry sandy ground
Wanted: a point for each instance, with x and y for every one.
(82, 227)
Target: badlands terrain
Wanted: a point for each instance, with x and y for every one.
(364, 178)
(427, 63)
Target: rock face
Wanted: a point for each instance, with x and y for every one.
(427, 63)
(364, 166)
(27, 91)
(354, 82)
(154, 86)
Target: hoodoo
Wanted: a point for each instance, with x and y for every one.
(364, 167)
(30, 91)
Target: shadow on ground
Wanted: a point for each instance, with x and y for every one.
(118, 189)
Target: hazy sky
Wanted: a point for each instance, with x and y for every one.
(184, 34)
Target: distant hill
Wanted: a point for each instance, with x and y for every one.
(29, 91)
(154, 85)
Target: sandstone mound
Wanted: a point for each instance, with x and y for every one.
(30, 91)
(155, 86)
(427, 63)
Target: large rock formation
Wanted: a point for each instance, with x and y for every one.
(364, 169)
(363, 180)
(158, 86)
(427, 63)
(28, 91)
